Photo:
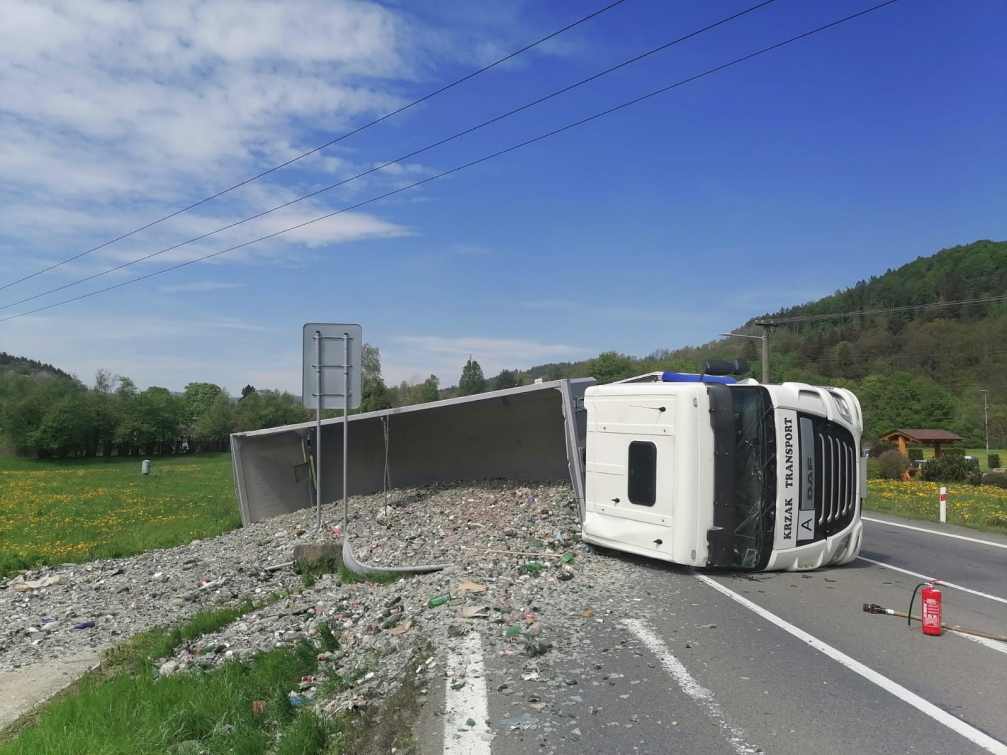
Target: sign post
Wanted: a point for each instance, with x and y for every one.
(330, 379)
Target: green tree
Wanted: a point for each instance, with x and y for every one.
(219, 420)
(197, 399)
(370, 362)
(610, 366)
(900, 400)
(430, 390)
(248, 389)
(374, 396)
(506, 379)
(472, 380)
(373, 391)
(266, 408)
(998, 431)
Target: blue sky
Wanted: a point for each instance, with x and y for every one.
(769, 184)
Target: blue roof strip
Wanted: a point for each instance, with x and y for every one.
(685, 377)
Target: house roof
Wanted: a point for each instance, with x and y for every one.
(923, 436)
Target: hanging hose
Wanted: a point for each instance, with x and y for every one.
(875, 608)
(364, 569)
(351, 563)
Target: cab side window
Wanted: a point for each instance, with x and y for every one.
(642, 470)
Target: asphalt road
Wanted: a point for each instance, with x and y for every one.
(780, 662)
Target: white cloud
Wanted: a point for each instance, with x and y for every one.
(115, 113)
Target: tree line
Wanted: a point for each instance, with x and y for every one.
(48, 413)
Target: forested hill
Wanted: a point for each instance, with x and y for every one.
(910, 367)
(29, 367)
(958, 274)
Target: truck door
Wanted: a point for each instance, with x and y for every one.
(631, 485)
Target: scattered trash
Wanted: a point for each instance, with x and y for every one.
(85, 625)
(493, 579)
(258, 707)
(519, 721)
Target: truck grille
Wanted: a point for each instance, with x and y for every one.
(836, 478)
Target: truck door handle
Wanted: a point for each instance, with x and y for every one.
(615, 500)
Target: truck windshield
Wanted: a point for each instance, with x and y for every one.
(744, 472)
(754, 474)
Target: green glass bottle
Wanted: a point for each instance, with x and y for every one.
(439, 600)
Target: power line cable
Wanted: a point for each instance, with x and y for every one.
(881, 311)
(486, 158)
(377, 168)
(329, 143)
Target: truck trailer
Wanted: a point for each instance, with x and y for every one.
(706, 470)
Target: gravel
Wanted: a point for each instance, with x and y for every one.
(531, 610)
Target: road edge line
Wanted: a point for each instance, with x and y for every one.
(935, 532)
(926, 707)
(986, 595)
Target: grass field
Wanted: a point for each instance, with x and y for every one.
(242, 707)
(982, 507)
(52, 513)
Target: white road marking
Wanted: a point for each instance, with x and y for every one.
(995, 644)
(465, 698)
(927, 579)
(689, 685)
(935, 532)
(924, 706)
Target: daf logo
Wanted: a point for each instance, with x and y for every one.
(811, 478)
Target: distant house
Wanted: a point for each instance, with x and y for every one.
(934, 438)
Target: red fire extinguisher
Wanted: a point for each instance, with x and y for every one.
(931, 596)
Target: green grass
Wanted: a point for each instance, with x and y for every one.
(56, 512)
(979, 453)
(157, 643)
(982, 507)
(124, 709)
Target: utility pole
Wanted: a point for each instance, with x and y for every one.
(765, 348)
(765, 325)
(986, 425)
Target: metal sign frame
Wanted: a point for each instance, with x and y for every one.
(336, 373)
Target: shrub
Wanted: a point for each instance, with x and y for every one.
(876, 452)
(998, 479)
(952, 469)
(874, 469)
(893, 464)
(993, 461)
(915, 454)
(953, 453)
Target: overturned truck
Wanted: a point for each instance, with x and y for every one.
(702, 470)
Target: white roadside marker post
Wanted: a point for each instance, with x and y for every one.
(944, 505)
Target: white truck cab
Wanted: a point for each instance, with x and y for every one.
(704, 470)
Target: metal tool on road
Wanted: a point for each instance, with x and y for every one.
(875, 608)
